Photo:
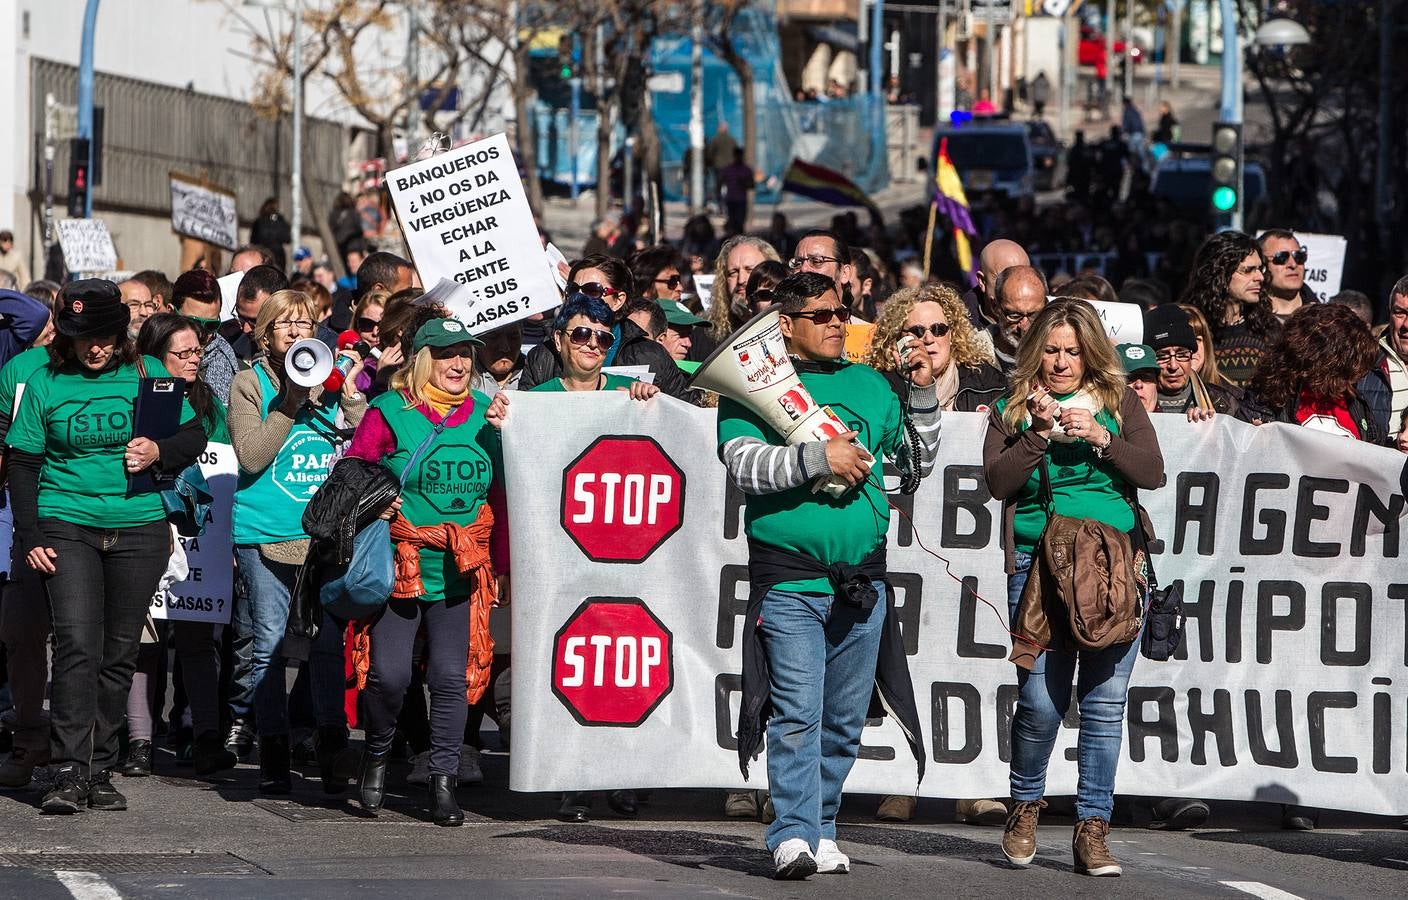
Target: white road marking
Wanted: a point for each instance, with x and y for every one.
(86, 885)
(1257, 889)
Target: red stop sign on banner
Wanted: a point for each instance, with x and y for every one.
(613, 662)
(622, 498)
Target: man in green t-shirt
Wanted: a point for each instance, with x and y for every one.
(817, 608)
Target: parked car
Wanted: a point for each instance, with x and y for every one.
(1185, 179)
(991, 158)
(1048, 154)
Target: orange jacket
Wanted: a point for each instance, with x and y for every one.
(470, 547)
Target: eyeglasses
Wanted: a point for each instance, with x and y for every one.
(672, 282)
(184, 355)
(760, 296)
(938, 330)
(292, 324)
(1300, 256)
(824, 316)
(365, 324)
(582, 335)
(594, 289)
(461, 351)
(150, 307)
(1180, 355)
(1014, 318)
(816, 260)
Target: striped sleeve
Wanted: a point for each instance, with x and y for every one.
(757, 467)
(927, 416)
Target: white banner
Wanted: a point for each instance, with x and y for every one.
(208, 593)
(1287, 543)
(466, 218)
(87, 246)
(204, 212)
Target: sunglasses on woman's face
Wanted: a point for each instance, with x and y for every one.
(1300, 256)
(672, 282)
(594, 289)
(938, 330)
(760, 296)
(365, 324)
(582, 335)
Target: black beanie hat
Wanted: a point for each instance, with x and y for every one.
(91, 308)
(1167, 326)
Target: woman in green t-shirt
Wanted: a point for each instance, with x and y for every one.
(582, 333)
(100, 546)
(1069, 410)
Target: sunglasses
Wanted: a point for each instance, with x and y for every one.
(205, 327)
(760, 296)
(672, 282)
(594, 289)
(938, 329)
(582, 335)
(365, 324)
(1300, 256)
(824, 316)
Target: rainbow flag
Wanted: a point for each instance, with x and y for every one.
(950, 200)
(823, 185)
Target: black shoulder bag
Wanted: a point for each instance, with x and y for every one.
(1163, 614)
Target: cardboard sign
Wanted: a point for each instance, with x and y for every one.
(1324, 266)
(87, 245)
(204, 212)
(466, 219)
(208, 592)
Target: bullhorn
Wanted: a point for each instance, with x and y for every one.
(752, 367)
(308, 363)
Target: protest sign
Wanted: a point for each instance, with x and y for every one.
(1324, 264)
(1292, 686)
(87, 245)
(229, 292)
(1124, 322)
(466, 219)
(704, 289)
(203, 211)
(208, 592)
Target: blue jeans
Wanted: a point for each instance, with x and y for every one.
(1044, 695)
(821, 658)
(268, 586)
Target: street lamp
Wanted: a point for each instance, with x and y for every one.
(295, 211)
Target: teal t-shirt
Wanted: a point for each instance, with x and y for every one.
(612, 382)
(81, 421)
(830, 530)
(1082, 486)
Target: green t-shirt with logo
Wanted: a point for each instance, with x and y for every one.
(613, 382)
(16, 375)
(830, 530)
(450, 481)
(1083, 486)
(80, 421)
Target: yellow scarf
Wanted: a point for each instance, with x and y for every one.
(441, 401)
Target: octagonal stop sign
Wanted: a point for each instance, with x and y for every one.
(612, 662)
(622, 498)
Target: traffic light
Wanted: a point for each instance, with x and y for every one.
(564, 57)
(1225, 168)
(79, 181)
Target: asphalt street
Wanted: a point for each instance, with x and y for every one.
(188, 838)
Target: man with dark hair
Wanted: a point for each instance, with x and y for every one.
(1020, 293)
(257, 285)
(826, 253)
(648, 316)
(158, 285)
(249, 256)
(1393, 354)
(656, 271)
(379, 271)
(818, 636)
(1357, 301)
(196, 298)
(1285, 288)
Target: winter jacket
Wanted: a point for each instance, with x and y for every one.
(1370, 429)
(635, 349)
(22, 318)
(979, 387)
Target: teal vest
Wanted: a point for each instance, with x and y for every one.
(269, 506)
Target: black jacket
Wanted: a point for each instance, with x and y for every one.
(894, 692)
(637, 349)
(979, 388)
(1370, 429)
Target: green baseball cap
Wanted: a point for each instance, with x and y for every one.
(443, 333)
(1137, 358)
(678, 314)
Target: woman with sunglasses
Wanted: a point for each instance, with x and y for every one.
(583, 337)
(441, 525)
(762, 283)
(285, 438)
(933, 317)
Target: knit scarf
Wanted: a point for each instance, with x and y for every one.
(947, 386)
(443, 401)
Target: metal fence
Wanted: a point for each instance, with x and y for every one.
(151, 129)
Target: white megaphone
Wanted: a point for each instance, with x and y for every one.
(308, 363)
(752, 367)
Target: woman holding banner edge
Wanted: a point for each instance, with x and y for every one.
(1070, 412)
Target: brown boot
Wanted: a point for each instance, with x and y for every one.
(1092, 854)
(1019, 838)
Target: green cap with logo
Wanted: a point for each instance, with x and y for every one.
(677, 313)
(443, 333)
(1137, 358)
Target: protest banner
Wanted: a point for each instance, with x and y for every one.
(208, 592)
(466, 219)
(1292, 685)
(204, 211)
(87, 246)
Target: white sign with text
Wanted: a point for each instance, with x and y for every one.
(207, 594)
(204, 212)
(87, 245)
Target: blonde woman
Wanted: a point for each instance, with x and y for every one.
(284, 438)
(932, 315)
(1070, 411)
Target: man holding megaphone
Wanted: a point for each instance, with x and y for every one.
(817, 639)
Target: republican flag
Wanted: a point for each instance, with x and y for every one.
(950, 200)
(823, 185)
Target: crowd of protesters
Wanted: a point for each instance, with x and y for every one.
(1229, 330)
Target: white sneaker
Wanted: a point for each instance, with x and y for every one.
(470, 772)
(793, 860)
(830, 860)
(420, 769)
